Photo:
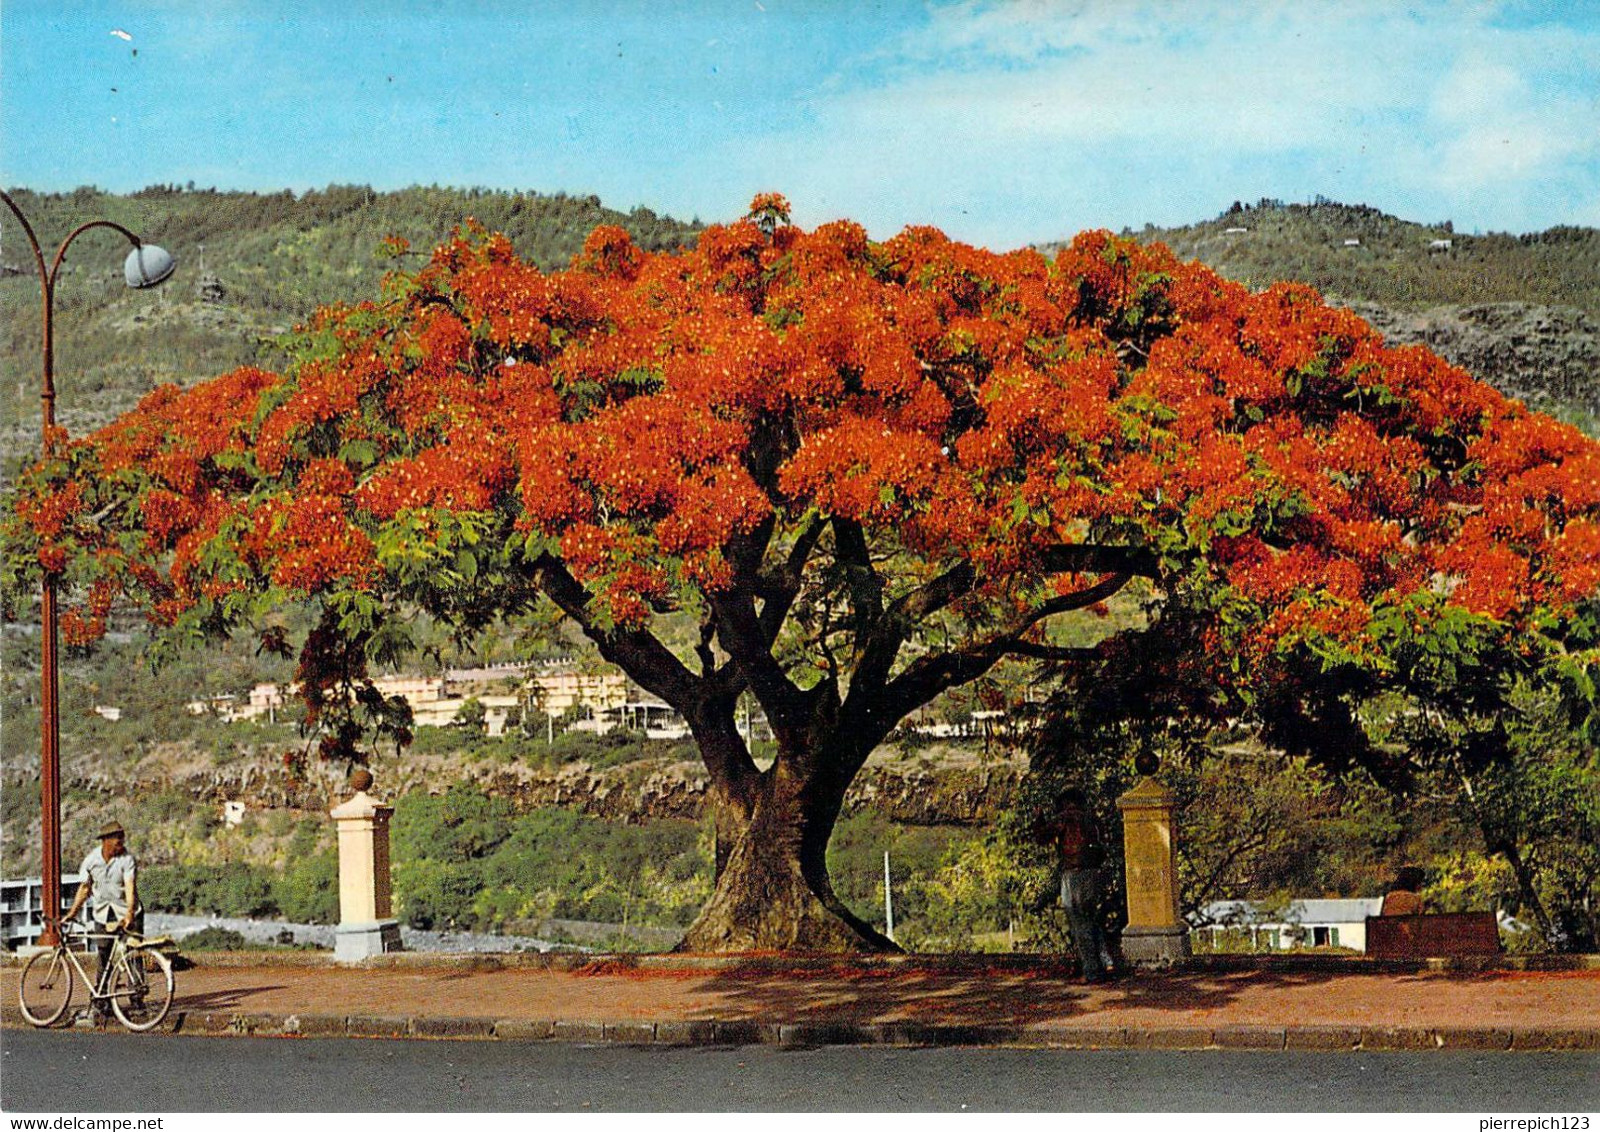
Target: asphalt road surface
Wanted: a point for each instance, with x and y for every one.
(53, 1072)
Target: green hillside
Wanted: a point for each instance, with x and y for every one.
(251, 265)
(1395, 262)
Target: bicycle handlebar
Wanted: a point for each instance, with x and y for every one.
(87, 931)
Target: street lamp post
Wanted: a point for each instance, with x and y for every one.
(146, 266)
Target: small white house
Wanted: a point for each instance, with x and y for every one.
(1303, 923)
(1353, 242)
(1439, 245)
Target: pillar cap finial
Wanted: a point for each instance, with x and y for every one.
(361, 805)
(1147, 793)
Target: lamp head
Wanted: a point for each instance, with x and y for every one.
(147, 266)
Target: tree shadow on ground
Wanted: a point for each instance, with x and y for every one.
(977, 991)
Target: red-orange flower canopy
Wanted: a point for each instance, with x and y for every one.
(635, 415)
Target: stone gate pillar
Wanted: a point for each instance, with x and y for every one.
(1155, 936)
(366, 923)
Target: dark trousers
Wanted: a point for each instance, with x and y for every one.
(104, 945)
(1080, 896)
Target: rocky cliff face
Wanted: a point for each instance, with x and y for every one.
(1548, 357)
(949, 788)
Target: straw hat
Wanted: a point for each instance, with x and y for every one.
(112, 829)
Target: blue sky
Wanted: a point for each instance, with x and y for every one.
(1002, 121)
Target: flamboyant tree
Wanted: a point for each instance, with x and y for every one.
(868, 472)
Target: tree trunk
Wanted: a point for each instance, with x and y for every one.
(772, 889)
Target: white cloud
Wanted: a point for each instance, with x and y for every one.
(1475, 88)
(1504, 154)
(1509, 124)
(1087, 107)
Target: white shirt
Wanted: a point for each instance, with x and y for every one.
(108, 884)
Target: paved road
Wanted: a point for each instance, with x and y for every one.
(122, 1073)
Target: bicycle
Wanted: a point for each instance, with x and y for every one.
(136, 980)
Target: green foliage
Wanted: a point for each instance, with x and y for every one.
(991, 892)
(1534, 798)
(614, 748)
(1317, 770)
(305, 890)
(462, 824)
(308, 890)
(213, 938)
(855, 862)
(217, 890)
(1274, 825)
(1256, 822)
(158, 807)
(435, 895)
(472, 716)
(464, 859)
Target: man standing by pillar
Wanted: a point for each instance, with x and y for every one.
(1080, 855)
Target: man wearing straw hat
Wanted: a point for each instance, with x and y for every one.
(110, 887)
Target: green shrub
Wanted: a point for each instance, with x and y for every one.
(463, 823)
(309, 835)
(463, 859)
(213, 938)
(308, 891)
(218, 890)
(611, 749)
(434, 895)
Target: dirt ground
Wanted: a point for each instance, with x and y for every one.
(606, 992)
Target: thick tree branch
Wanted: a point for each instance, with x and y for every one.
(636, 651)
(883, 646)
(929, 675)
(707, 703)
(866, 586)
(1106, 587)
(877, 652)
(779, 588)
(739, 629)
(715, 728)
(708, 659)
(1090, 558)
(926, 600)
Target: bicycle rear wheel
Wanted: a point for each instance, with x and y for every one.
(45, 988)
(141, 995)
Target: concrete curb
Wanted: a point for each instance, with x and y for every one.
(813, 1034)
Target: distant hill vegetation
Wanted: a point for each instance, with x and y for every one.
(1521, 312)
(251, 265)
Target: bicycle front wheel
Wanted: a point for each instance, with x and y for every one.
(141, 989)
(46, 987)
